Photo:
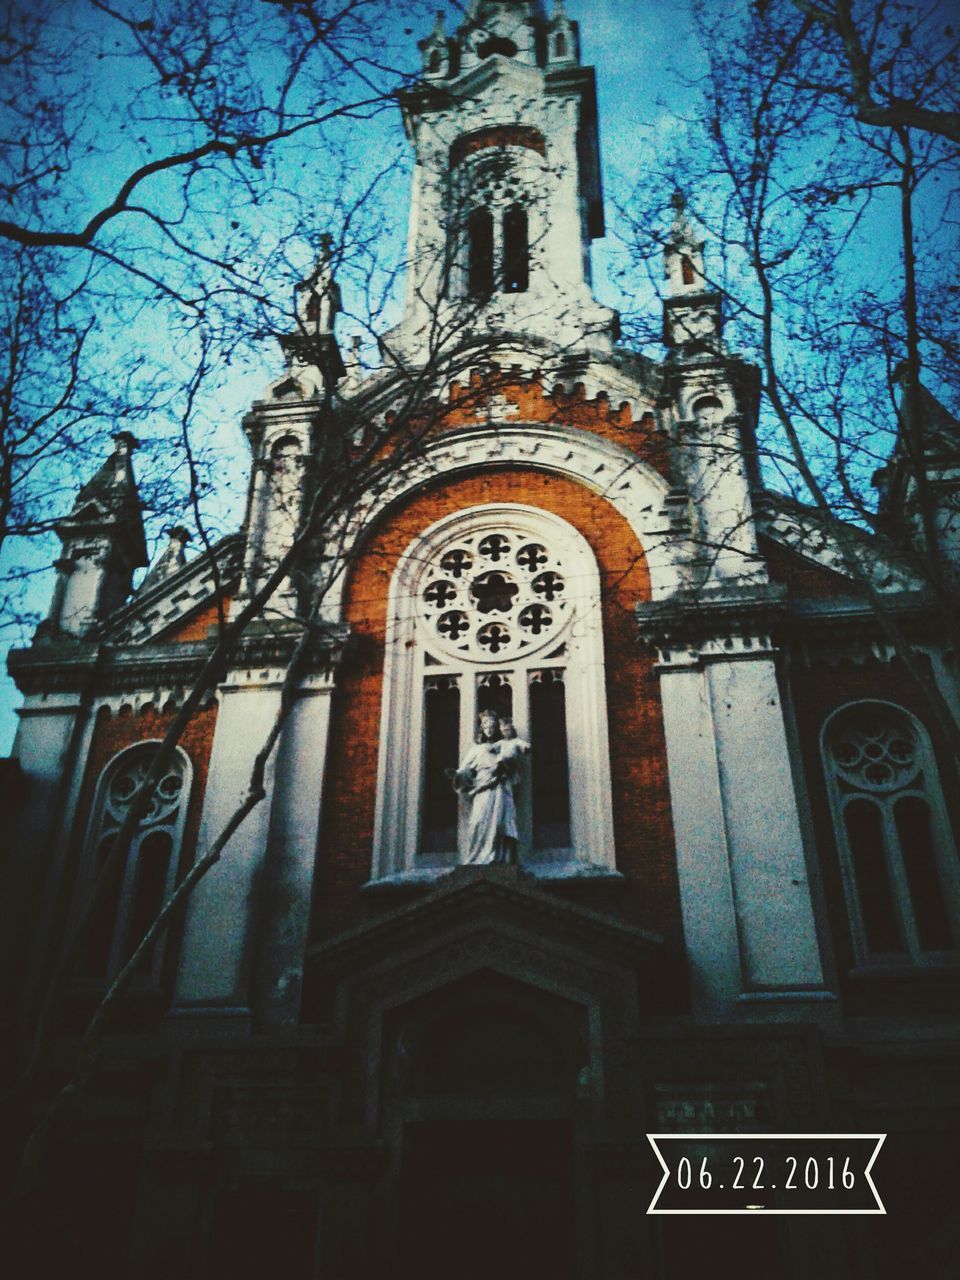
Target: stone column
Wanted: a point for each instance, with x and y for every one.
(214, 967)
(51, 746)
(747, 908)
(284, 919)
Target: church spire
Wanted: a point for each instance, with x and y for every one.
(103, 543)
(311, 351)
(506, 190)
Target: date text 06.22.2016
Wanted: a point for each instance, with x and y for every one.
(773, 1173)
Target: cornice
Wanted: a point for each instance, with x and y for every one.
(100, 669)
(743, 621)
(841, 629)
(731, 620)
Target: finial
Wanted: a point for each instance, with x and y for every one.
(681, 232)
(171, 559)
(125, 442)
(439, 27)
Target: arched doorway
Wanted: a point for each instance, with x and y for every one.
(483, 1089)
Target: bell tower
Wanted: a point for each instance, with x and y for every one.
(506, 186)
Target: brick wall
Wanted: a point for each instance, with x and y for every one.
(197, 627)
(525, 399)
(641, 807)
(804, 579)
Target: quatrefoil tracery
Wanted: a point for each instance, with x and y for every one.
(493, 594)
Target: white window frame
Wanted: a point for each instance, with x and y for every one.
(944, 846)
(400, 765)
(95, 834)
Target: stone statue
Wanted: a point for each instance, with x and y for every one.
(486, 779)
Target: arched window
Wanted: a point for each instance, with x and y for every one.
(516, 250)
(560, 45)
(495, 608)
(139, 886)
(897, 854)
(480, 238)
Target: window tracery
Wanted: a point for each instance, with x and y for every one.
(897, 855)
(496, 609)
(497, 217)
(139, 886)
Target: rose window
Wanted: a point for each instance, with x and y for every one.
(494, 595)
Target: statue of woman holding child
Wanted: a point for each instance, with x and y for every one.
(486, 779)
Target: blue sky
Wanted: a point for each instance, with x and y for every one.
(631, 44)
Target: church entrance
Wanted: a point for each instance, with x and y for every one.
(486, 1079)
(486, 1198)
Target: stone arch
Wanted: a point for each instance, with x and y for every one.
(631, 486)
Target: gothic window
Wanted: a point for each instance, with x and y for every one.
(138, 887)
(496, 608)
(516, 250)
(499, 193)
(897, 855)
(480, 239)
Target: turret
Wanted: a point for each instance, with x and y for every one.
(286, 433)
(103, 544)
(436, 51)
(712, 410)
(563, 38)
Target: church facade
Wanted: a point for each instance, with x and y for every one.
(721, 894)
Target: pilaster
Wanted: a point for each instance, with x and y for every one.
(747, 908)
(51, 747)
(288, 869)
(214, 964)
(246, 925)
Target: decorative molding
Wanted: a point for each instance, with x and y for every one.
(631, 486)
(732, 621)
(463, 894)
(162, 673)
